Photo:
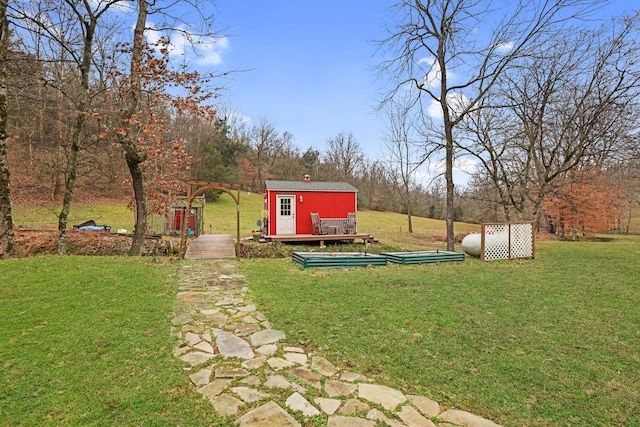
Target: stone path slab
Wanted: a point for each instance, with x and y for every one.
(268, 415)
(382, 395)
(231, 346)
(298, 403)
(242, 364)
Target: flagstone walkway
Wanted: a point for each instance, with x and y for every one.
(244, 366)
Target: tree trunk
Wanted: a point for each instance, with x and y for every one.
(78, 128)
(628, 222)
(140, 230)
(448, 136)
(448, 174)
(7, 241)
(408, 207)
(134, 156)
(72, 169)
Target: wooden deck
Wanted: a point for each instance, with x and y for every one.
(322, 238)
(211, 246)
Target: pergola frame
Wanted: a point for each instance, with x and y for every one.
(194, 189)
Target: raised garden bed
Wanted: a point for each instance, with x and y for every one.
(423, 257)
(337, 259)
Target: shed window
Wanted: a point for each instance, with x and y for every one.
(285, 207)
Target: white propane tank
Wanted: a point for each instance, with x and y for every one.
(471, 244)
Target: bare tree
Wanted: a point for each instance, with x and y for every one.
(402, 157)
(501, 162)
(7, 243)
(570, 105)
(373, 186)
(288, 163)
(77, 44)
(76, 29)
(446, 51)
(265, 147)
(345, 154)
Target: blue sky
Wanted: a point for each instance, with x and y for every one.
(310, 66)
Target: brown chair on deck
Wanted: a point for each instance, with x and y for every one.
(350, 223)
(318, 228)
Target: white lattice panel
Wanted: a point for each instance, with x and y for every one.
(505, 241)
(521, 240)
(496, 241)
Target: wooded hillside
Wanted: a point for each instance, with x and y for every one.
(89, 108)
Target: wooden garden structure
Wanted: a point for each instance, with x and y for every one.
(175, 216)
(196, 188)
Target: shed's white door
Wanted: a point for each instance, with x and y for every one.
(285, 221)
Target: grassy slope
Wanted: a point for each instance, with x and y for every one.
(221, 214)
(114, 214)
(220, 217)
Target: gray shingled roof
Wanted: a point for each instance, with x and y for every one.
(309, 186)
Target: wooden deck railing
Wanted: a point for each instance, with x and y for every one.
(338, 225)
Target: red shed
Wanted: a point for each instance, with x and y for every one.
(289, 204)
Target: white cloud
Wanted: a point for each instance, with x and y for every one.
(433, 76)
(457, 102)
(434, 110)
(119, 6)
(432, 79)
(153, 35)
(425, 176)
(238, 120)
(465, 165)
(211, 51)
(504, 47)
(205, 51)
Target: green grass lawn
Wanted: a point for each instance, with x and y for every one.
(550, 341)
(86, 341)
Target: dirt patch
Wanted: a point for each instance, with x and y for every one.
(43, 241)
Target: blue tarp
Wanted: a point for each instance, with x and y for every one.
(93, 227)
